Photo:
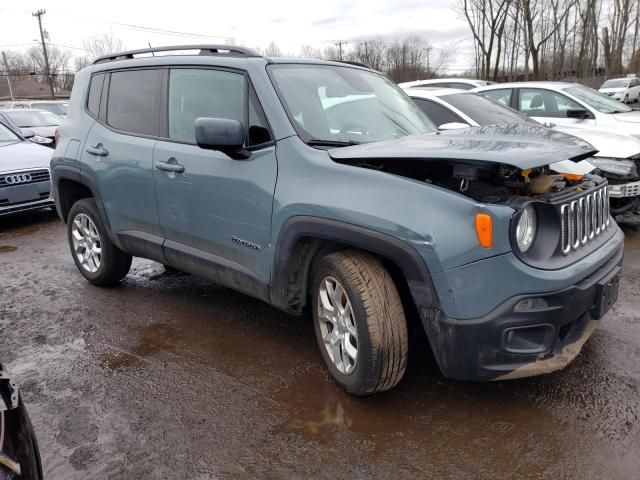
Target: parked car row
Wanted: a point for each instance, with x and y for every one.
(58, 107)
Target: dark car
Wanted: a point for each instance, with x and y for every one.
(19, 454)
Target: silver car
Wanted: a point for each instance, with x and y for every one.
(25, 182)
(42, 123)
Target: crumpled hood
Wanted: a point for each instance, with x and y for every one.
(23, 155)
(522, 146)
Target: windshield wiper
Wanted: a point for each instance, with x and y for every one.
(317, 142)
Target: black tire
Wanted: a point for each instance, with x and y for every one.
(382, 340)
(114, 263)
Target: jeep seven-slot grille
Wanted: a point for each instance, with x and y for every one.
(34, 176)
(583, 219)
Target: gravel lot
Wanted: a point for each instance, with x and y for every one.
(170, 376)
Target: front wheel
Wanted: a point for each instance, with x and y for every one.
(359, 322)
(97, 258)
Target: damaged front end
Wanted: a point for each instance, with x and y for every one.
(624, 187)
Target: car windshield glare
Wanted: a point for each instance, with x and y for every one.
(485, 111)
(618, 83)
(597, 100)
(346, 105)
(7, 135)
(34, 118)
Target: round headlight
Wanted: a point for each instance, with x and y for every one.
(526, 228)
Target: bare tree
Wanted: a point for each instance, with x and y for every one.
(273, 50)
(307, 51)
(614, 35)
(486, 19)
(369, 52)
(102, 44)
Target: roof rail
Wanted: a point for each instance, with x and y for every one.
(229, 50)
(355, 64)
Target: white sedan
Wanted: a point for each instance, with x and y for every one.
(457, 83)
(561, 103)
(618, 154)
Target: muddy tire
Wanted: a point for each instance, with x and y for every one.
(359, 322)
(97, 258)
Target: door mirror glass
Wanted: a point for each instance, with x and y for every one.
(580, 113)
(453, 126)
(222, 134)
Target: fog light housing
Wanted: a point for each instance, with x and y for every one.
(530, 339)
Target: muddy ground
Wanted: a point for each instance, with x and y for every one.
(170, 376)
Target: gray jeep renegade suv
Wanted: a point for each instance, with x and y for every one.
(300, 181)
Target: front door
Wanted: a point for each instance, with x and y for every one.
(213, 209)
(549, 107)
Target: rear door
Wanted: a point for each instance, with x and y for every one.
(215, 210)
(118, 151)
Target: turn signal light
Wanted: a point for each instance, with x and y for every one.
(484, 229)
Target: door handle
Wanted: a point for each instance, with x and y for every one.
(98, 150)
(170, 167)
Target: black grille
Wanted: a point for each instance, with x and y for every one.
(35, 176)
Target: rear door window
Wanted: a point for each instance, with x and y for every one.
(134, 101)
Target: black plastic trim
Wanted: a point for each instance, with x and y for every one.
(403, 255)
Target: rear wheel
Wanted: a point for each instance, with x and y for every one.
(97, 258)
(359, 322)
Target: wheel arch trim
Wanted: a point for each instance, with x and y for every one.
(403, 255)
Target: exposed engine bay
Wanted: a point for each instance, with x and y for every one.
(497, 183)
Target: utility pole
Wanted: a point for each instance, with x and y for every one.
(6, 67)
(339, 45)
(39, 14)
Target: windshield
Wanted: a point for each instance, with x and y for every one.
(57, 108)
(342, 104)
(34, 118)
(485, 111)
(597, 100)
(618, 83)
(7, 135)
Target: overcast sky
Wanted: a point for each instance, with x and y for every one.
(290, 23)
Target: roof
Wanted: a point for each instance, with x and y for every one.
(432, 92)
(530, 84)
(471, 81)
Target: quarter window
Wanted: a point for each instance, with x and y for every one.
(437, 113)
(195, 93)
(133, 101)
(95, 90)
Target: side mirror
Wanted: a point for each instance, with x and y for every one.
(580, 113)
(27, 133)
(453, 126)
(223, 135)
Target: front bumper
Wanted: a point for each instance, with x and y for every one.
(506, 343)
(26, 207)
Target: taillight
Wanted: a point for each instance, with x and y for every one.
(56, 136)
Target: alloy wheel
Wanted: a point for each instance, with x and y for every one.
(86, 242)
(337, 325)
